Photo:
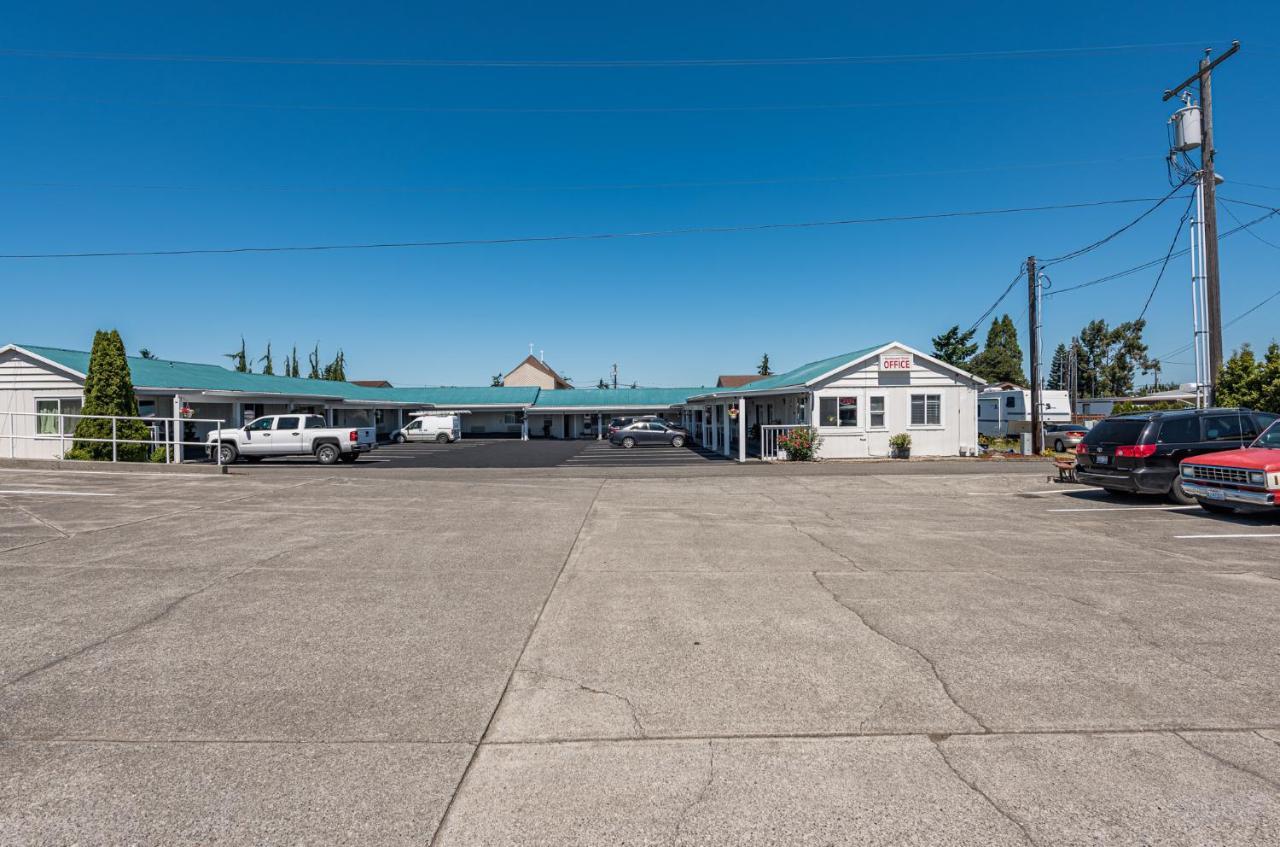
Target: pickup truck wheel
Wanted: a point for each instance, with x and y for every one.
(327, 454)
(227, 454)
(442, 438)
(1179, 495)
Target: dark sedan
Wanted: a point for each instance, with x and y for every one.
(646, 433)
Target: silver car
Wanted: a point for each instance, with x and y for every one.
(1063, 437)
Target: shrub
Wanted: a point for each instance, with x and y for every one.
(900, 442)
(800, 443)
(108, 391)
(1163, 406)
(160, 455)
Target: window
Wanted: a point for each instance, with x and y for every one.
(510, 418)
(1009, 402)
(414, 426)
(287, 423)
(876, 409)
(260, 424)
(1180, 430)
(926, 410)
(838, 411)
(1234, 427)
(47, 412)
(314, 422)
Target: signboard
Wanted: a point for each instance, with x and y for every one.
(1019, 427)
(895, 361)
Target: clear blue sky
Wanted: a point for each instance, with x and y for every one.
(123, 155)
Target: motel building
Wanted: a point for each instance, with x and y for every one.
(856, 401)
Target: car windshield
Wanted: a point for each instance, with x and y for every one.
(1270, 438)
(1116, 431)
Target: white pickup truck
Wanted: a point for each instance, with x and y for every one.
(291, 435)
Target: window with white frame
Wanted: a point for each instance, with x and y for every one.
(875, 409)
(838, 411)
(47, 412)
(926, 410)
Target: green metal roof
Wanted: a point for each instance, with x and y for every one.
(610, 398)
(190, 376)
(804, 374)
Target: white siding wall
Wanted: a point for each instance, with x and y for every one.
(23, 380)
(956, 435)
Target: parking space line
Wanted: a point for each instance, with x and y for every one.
(1234, 535)
(37, 492)
(1125, 509)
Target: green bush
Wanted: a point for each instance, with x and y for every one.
(108, 391)
(160, 455)
(800, 443)
(900, 442)
(1163, 406)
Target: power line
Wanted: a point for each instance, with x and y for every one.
(1272, 244)
(897, 58)
(603, 236)
(1246, 313)
(1153, 262)
(1016, 277)
(571, 110)
(443, 189)
(1167, 256)
(1074, 254)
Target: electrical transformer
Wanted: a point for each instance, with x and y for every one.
(1186, 128)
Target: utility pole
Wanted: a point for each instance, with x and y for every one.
(1073, 376)
(1033, 309)
(1208, 193)
(615, 375)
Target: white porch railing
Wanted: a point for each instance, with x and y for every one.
(769, 435)
(163, 433)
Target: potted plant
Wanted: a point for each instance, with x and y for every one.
(901, 445)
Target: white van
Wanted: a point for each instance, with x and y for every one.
(439, 428)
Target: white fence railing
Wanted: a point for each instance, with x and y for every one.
(164, 434)
(769, 436)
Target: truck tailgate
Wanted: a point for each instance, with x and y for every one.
(367, 437)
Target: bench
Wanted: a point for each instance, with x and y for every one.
(1066, 470)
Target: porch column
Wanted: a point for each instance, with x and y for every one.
(400, 418)
(599, 426)
(727, 447)
(742, 429)
(177, 430)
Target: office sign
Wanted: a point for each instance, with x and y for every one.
(895, 361)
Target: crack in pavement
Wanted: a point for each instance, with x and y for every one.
(946, 689)
(701, 795)
(825, 546)
(973, 786)
(1130, 625)
(1233, 765)
(9, 501)
(635, 713)
(165, 611)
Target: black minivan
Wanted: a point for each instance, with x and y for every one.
(1140, 453)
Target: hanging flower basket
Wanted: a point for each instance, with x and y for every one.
(733, 413)
(186, 411)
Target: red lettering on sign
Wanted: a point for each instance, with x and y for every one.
(896, 364)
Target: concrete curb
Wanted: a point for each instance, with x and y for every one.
(114, 467)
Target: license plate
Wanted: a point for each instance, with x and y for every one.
(1101, 460)
(1217, 494)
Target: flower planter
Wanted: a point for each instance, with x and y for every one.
(902, 453)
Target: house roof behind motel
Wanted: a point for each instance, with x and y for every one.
(736, 380)
(537, 364)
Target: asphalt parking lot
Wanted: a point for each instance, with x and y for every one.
(587, 656)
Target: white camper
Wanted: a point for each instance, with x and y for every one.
(997, 407)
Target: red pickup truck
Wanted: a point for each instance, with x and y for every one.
(1246, 480)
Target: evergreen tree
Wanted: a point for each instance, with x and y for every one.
(602, 384)
(268, 366)
(1245, 381)
(955, 347)
(495, 381)
(1058, 370)
(313, 358)
(763, 369)
(146, 353)
(1092, 356)
(108, 390)
(1001, 359)
(240, 359)
(337, 369)
(292, 368)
